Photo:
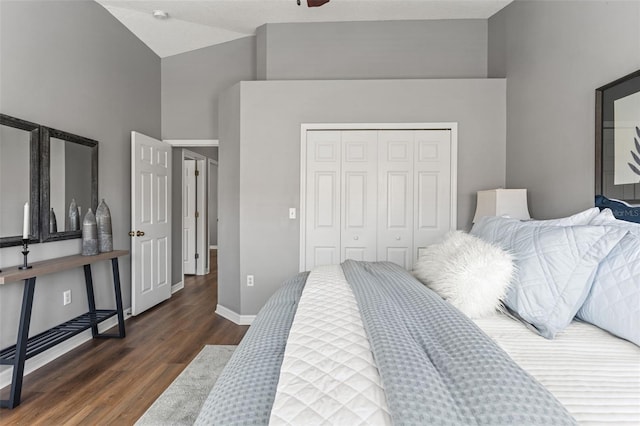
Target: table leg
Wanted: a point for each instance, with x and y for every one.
(116, 288)
(21, 345)
(91, 300)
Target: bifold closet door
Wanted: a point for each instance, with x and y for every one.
(395, 196)
(375, 194)
(359, 195)
(432, 188)
(340, 196)
(322, 210)
(414, 192)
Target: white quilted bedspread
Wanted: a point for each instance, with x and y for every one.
(328, 374)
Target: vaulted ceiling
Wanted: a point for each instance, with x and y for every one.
(195, 24)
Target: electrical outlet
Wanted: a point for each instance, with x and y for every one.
(66, 297)
(249, 280)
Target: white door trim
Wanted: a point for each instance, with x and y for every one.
(192, 142)
(305, 127)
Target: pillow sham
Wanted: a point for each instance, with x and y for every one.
(469, 273)
(486, 228)
(607, 217)
(613, 303)
(580, 218)
(555, 267)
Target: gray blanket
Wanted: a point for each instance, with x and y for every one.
(436, 366)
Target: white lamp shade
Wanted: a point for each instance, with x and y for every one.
(502, 202)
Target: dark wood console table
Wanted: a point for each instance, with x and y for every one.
(26, 347)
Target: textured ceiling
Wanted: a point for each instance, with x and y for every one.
(196, 24)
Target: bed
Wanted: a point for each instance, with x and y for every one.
(367, 343)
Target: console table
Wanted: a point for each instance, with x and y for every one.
(26, 347)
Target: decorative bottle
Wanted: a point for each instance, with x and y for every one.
(74, 216)
(103, 221)
(53, 223)
(89, 234)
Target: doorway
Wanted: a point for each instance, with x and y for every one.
(194, 214)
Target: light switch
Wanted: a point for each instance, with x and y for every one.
(292, 213)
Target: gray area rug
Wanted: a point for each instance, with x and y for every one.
(180, 403)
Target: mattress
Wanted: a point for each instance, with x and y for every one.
(594, 374)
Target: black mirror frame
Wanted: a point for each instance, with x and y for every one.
(45, 180)
(599, 154)
(34, 176)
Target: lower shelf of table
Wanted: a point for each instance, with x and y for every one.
(50, 338)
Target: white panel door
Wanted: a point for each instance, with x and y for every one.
(151, 222)
(376, 194)
(322, 209)
(189, 216)
(432, 189)
(395, 196)
(359, 195)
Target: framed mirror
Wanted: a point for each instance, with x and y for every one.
(69, 183)
(19, 179)
(618, 139)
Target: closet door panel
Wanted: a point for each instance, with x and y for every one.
(322, 209)
(359, 194)
(395, 196)
(432, 192)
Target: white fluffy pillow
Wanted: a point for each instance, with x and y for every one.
(471, 274)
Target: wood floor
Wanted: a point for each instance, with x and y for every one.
(114, 381)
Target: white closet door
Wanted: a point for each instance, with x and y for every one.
(395, 196)
(322, 209)
(359, 195)
(432, 190)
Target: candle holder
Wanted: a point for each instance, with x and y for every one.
(25, 252)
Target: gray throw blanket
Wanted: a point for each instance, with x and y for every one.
(437, 367)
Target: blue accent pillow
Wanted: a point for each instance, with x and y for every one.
(555, 267)
(620, 209)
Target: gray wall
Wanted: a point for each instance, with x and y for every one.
(192, 81)
(554, 55)
(70, 65)
(229, 200)
(266, 242)
(373, 50)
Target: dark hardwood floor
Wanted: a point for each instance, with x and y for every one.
(114, 381)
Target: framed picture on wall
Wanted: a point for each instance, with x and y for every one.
(618, 139)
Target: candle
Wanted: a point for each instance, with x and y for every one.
(25, 228)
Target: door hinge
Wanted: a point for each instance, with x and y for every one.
(197, 256)
(197, 172)
(197, 214)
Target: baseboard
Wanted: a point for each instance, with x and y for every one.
(40, 360)
(213, 247)
(177, 287)
(233, 316)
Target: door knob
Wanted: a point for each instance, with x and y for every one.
(140, 233)
(355, 238)
(132, 234)
(398, 238)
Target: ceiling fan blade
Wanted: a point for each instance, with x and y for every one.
(316, 3)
